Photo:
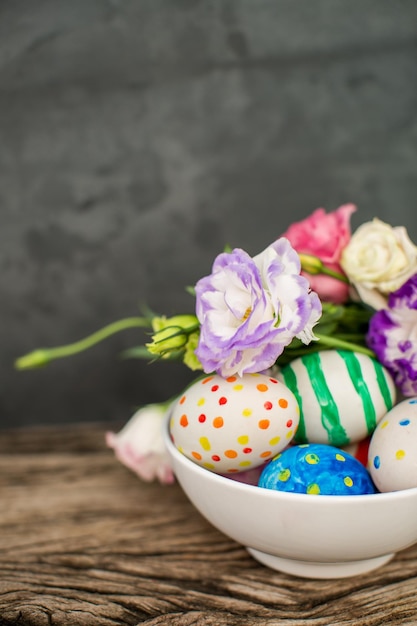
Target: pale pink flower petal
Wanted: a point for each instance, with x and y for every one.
(324, 235)
(140, 446)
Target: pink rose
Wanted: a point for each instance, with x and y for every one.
(140, 446)
(324, 235)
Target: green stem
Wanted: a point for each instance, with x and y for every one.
(333, 342)
(328, 272)
(314, 265)
(99, 335)
(43, 356)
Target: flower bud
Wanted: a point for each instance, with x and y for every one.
(311, 264)
(33, 360)
(171, 334)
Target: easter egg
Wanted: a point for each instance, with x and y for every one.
(342, 395)
(359, 450)
(392, 457)
(316, 469)
(234, 424)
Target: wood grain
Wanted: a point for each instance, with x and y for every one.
(83, 542)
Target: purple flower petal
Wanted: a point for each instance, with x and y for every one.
(250, 309)
(392, 335)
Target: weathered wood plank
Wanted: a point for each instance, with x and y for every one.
(84, 542)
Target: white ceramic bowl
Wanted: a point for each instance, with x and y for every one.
(312, 536)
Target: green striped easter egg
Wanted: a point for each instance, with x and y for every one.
(342, 395)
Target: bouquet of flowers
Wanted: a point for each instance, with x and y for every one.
(317, 287)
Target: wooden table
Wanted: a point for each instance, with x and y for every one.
(84, 542)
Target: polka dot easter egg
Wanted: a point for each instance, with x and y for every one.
(316, 469)
(234, 424)
(342, 395)
(392, 458)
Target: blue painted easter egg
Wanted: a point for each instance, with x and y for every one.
(316, 469)
(342, 395)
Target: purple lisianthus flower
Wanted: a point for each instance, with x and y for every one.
(392, 335)
(250, 309)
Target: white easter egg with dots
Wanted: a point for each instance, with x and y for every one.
(234, 424)
(392, 458)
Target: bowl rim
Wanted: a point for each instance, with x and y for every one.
(320, 499)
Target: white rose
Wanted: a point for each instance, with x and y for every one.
(140, 446)
(379, 259)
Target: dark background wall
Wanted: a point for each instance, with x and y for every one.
(138, 137)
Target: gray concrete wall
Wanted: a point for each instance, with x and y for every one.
(138, 137)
